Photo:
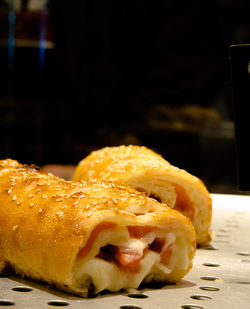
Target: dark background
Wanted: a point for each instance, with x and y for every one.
(82, 75)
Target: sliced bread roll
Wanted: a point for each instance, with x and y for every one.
(147, 171)
(85, 238)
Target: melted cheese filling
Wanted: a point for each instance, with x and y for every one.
(108, 275)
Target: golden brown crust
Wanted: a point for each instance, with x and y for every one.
(147, 171)
(45, 220)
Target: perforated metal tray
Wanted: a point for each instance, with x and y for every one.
(219, 279)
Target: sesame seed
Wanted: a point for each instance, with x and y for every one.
(133, 195)
(89, 214)
(63, 207)
(75, 203)
(44, 196)
(38, 190)
(59, 200)
(9, 191)
(60, 214)
(31, 195)
(114, 200)
(14, 198)
(122, 187)
(32, 204)
(40, 210)
(14, 227)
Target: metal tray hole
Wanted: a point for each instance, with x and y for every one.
(222, 235)
(224, 230)
(6, 302)
(137, 295)
(191, 306)
(243, 253)
(129, 307)
(211, 264)
(58, 303)
(210, 278)
(22, 289)
(243, 282)
(207, 247)
(200, 297)
(209, 288)
(233, 226)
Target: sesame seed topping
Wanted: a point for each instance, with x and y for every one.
(59, 200)
(122, 187)
(60, 214)
(31, 195)
(75, 203)
(90, 213)
(32, 204)
(14, 198)
(38, 190)
(9, 191)
(44, 196)
(14, 227)
(40, 210)
(133, 195)
(63, 207)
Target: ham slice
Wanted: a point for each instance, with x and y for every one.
(126, 258)
(97, 230)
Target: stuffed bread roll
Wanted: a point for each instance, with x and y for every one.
(84, 239)
(147, 171)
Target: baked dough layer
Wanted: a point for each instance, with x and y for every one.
(147, 171)
(54, 230)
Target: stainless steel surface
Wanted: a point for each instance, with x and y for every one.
(219, 279)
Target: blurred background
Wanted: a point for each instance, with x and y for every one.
(80, 75)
